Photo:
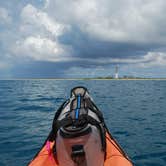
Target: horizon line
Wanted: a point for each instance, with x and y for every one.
(97, 78)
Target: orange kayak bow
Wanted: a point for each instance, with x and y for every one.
(79, 132)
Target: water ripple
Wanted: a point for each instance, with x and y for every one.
(134, 112)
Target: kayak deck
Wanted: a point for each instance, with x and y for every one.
(114, 155)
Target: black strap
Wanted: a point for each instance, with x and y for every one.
(73, 90)
(83, 119)
(52, 135)
(90, 104)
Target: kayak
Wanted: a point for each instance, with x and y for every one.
(80, 137)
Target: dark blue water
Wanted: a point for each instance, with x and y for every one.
(135, 112)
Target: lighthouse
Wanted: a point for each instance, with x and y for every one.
(116, 72)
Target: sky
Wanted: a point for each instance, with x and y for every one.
(82, 38)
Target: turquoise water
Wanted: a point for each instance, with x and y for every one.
(135, 112)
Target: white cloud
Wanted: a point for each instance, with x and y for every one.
(34, 18)
(5, 18)
(154, 59)
(38, 37)
(122, 21)
(151, 59)
(38, 48)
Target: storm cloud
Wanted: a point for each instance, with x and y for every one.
(81, 38)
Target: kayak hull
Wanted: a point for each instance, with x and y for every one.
(114, 155)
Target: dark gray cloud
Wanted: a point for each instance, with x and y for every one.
(85, 46)
(34, 70)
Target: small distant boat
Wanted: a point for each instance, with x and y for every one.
(80, 137)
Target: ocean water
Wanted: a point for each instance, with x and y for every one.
(134, 111)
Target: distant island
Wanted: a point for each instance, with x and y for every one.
(124, 78)
(90, 78)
